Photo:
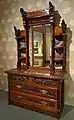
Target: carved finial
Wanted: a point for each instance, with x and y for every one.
(23, 13)
(50, 4)
(15, 28)
(64, 26)
(63, 22)
(17, 31)
(51, 7)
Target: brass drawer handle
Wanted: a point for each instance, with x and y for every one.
(19, 86)
(44, 92)
(18, 78)
(19, 96)
(22, 78)
(46, 82)
(43, 103)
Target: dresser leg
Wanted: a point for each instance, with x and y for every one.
(9, 102)
(58, 116)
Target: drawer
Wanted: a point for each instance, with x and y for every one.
(33, 80)
(44, 82)
(33, 99)
(34, 89)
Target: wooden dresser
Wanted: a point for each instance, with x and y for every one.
(37, 91)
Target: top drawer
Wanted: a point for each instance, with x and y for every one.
(35, 81)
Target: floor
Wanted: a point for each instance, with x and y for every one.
(10, 112)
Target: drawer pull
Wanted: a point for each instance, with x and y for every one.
(49, 82)
(43, 91)
(46, 82)
(18, 78)
(19, 96)
(22, 78)
(43, 103)
(19, 86)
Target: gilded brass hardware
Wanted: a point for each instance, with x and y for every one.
(43, 91)
(19, 96)
(19, 86)
(43, 103)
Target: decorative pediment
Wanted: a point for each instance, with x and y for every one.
(38, 13)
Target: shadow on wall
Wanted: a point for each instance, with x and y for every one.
(69, 96)
(69, 99)
(68, 80)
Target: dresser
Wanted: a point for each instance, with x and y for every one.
(38, 91)
(37, 82)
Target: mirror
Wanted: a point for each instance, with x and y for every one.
(38, 49)
(40, 44)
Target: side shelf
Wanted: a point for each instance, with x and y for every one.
(59, 47)
(20, 36)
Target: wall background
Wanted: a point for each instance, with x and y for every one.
(10, 16)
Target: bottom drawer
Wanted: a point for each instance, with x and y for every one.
(33, 99)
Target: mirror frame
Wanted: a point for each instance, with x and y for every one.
(38, 18)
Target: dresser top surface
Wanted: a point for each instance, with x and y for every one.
(36, 73)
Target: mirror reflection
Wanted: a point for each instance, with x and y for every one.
(38, 48)
(40, 44)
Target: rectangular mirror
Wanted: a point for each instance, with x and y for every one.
(40, 45)
(38, 49)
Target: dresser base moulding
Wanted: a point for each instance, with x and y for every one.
(52, 111)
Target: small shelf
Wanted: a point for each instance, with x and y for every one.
(58, 68)
(23, 64)
(58, 35)
(58, 59)
(21, 58)
(20, 48)
(20, 37)
(64, 34)
(58, 47)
